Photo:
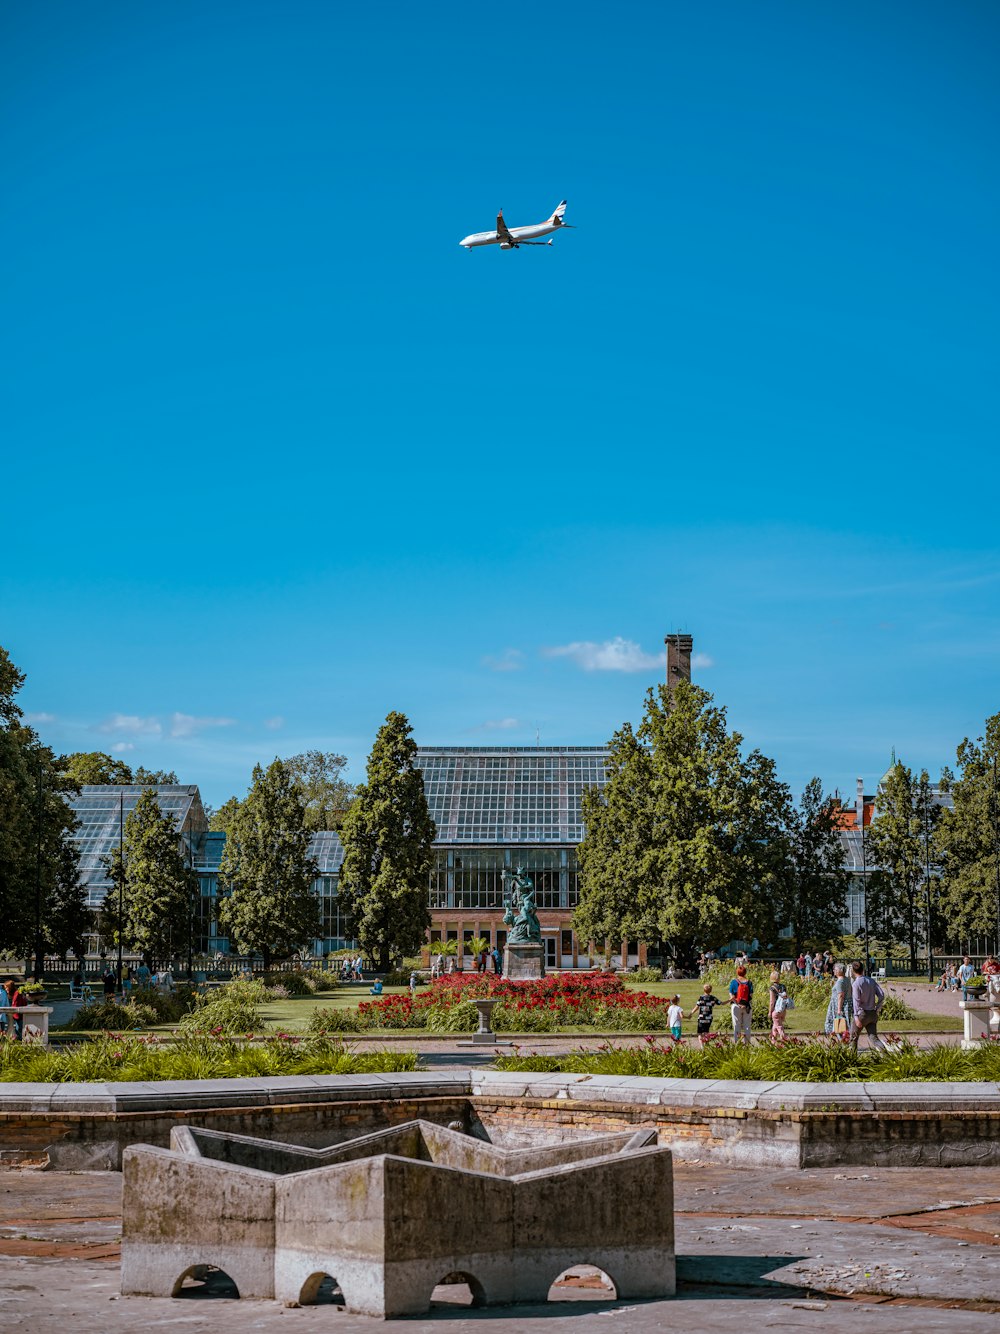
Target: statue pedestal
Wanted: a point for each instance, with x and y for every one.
(523, 959)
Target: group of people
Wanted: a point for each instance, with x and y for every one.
(853, 1008)
(819, 964)
(134, 978)
(953, 979)
(352, 969)
(484, 960)
(12, 1025)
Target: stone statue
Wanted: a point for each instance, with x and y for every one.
(525, 926)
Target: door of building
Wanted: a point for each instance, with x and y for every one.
(550, 952)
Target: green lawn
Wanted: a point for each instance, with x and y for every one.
(292, 1015)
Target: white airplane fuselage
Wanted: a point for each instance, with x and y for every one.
(517, 233)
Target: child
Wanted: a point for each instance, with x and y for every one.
(675, 1016)
(778, 1011)
(705, 1004)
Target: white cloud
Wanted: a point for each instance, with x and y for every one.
(501, 724)
(40, 717)
(185, 724)
(131, 724)
(702, 660)
(510, 660)
(122, 746)
(273, 724)
(614, 655)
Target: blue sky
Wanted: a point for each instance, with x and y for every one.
(279, 456)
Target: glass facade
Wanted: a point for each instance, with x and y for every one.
(101, 813)
(495, 807)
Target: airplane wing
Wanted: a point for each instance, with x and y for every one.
(502, 233)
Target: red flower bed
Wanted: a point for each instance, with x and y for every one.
(572, 998)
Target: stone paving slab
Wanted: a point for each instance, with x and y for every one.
(870, 1250)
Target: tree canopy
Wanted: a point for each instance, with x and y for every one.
(685, 843)
(37, 852)
(324, 792)
(812, 886)
(159, 888)
(968, 839)
(95, 766)
(266, 904)
(387, 835)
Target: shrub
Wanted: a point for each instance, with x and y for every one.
(894, 1007)
(460, 1018)
(645, 975)
(332, 1019)
(322, 979)
(294, 984)
(397, 977)
(104, 1014)
(232, 1008)
(523, 1019)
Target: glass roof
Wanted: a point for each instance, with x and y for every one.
(509, 794)
(102, 809)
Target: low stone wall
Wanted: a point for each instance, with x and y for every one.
(86, 1126)
(750, 1123)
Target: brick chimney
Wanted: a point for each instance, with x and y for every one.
(678, 658)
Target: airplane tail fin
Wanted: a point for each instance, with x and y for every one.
(557, 214)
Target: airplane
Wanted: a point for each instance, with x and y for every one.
(513, 238)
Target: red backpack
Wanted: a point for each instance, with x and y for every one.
(743, 992)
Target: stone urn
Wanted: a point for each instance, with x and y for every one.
(484, 1008)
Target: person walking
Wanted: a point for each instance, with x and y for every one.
(497, 960)
(839, 1010)
(781, 1004)
(413, 984)
(773, 992)
(675, 1018)
(867, 998)
(6, 1021)
(109, 982)
(741, 1004)
(704, 1005)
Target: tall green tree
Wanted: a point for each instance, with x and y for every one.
(968, 839)
(266, 903)
(812, 889)
(159, 887)
(68, 919)
(36, 826)
(319, 779)
(896, 851)
(388, 835)
(95, 766)
(685, 842)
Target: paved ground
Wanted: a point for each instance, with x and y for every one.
(891, 1250)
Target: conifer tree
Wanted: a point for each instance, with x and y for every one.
(813, 886)
(159, 888)
(266, 903)
(684, 845)
(968, 840)
(387, 835)
(896, 850)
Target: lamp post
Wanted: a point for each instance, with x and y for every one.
(191, 910)
(860, 807)
(39, 968)
(121, 882)
(925, 815)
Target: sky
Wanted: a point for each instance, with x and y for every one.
(278, 456)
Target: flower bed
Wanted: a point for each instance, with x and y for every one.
(812, 1059)
(596, 999)
(130, 1056)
